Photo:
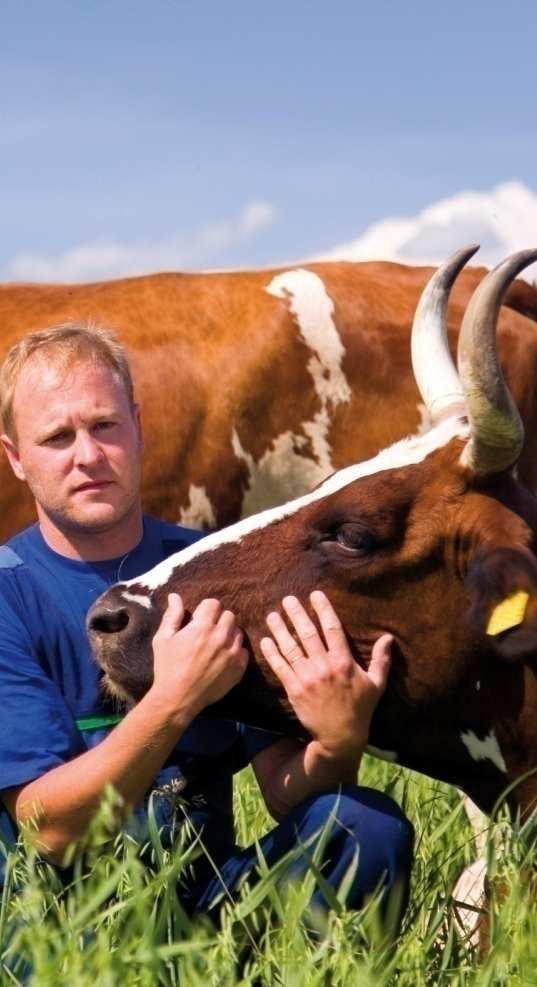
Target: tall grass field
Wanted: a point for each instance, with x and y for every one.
(121, 923)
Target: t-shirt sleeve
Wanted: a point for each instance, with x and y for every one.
(37, 730)
(252, 740)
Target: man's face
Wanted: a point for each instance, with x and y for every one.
(78, 444)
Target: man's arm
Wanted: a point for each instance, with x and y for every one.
(332, 696)
(194, 666)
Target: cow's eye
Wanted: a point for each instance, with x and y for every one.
(355, 538)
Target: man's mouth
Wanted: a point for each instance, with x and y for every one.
(93, 485)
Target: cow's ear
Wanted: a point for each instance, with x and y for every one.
(503, 586)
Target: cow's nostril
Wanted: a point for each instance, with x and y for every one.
(109, 621)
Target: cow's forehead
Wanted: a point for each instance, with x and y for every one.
(405, 453)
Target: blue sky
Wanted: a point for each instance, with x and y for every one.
(130, 122)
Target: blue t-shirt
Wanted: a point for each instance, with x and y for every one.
(49, 680)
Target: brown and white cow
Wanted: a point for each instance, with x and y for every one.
(256, 385)
(425, 540)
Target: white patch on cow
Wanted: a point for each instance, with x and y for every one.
(313, 310)
(281, 473)
(317, 432)
(199, 512)
(383, 755)
(404, 453)
(143, 601)
(478, 685)
(287, 468)
(487, 749)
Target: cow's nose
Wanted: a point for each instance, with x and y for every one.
(108, 619)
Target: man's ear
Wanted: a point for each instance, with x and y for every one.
(503, 586)
(137, 415)
(12, 454)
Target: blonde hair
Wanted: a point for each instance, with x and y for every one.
(64, 345)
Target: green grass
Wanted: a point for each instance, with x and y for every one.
(122, 923)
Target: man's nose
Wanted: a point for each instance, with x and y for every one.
(87, 450)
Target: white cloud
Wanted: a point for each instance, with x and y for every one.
(109, 259)
(502, 220)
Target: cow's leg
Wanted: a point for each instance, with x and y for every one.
(469, 895)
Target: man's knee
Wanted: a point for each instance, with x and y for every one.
(358, 809)
(378, 820)
(365, 822)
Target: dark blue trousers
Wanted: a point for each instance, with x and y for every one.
(359, 820)
(350, 821)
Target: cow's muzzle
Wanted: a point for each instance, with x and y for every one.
(120, 632)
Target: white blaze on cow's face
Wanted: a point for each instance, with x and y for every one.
(405, 453)
(285, 470)
(143, 601)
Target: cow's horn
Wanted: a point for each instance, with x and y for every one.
(497, 432)
(436, 376)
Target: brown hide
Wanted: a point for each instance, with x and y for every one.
(417, 531)
(215, 352)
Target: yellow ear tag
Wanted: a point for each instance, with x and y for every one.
(509, 613)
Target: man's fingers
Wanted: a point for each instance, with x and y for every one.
(226, 625)
(381, 658)
(236, 643)
(207, 612)
(283, 637)
(331, 625)
(305, 628)
(278, 664)
(172, 617)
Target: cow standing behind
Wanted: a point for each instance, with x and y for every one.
(255, 386)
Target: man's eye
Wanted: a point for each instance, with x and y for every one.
(57, 438)
(104, 426)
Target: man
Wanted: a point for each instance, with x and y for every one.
(72, 432)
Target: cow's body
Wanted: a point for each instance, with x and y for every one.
(255, 386)
(422, 541)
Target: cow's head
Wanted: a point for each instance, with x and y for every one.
(427, 540)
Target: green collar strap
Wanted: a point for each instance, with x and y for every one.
(95, 722)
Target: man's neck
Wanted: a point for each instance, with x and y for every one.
(94, 546)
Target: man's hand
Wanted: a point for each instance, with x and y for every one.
(194, 666)
(197, 664)
(332, 696)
